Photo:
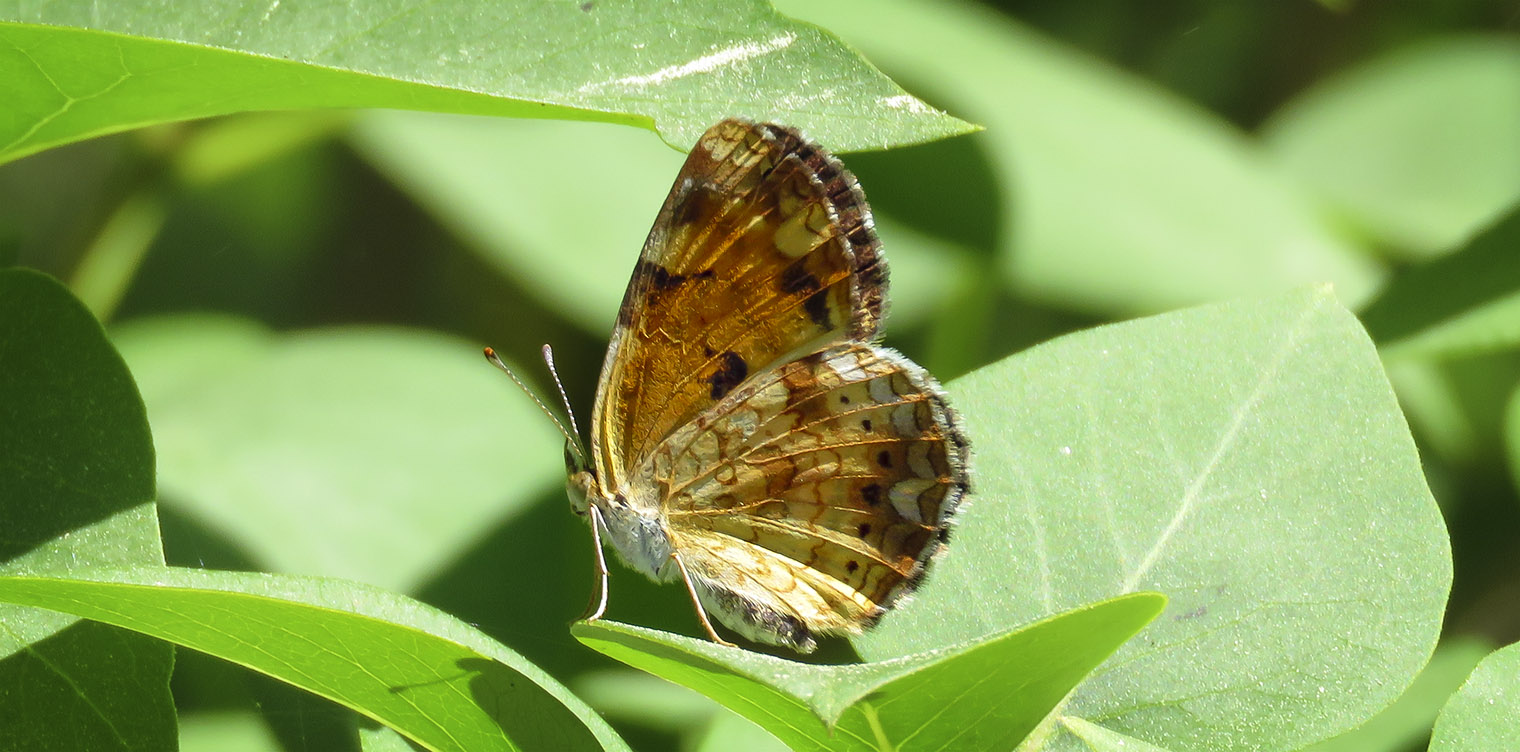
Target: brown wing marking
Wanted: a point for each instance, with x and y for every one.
(836, 474)
(764, 249)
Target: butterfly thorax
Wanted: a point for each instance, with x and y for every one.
(633, 525)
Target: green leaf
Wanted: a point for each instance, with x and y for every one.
(1113, 195)
(331, 451)
(1466, 303)
(1249, 461)
(929, 699)
(225, 731)
(76, 490)
(425, 674)
(1404, 724)
(1481, 715)
(74, 71)
(636, 697)
(520, 192)
(1416, 150)
(1101, 739)
(730, 732)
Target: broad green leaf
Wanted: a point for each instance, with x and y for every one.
(72, 71)
(1249, 461)
(1405, 723)
(429, 676)
(1114, 196)
(1481, 716)
(984, 695)
(565, 207)
(76, 490)
(369, 454)
(1462, 304)
(1416, 150)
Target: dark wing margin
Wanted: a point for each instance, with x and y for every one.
(764, 250)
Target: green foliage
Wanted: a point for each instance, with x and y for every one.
(1173, 454)
(76, 490)
(1481, 715)
(1415, 150)
(76, 71)
(1021, 677)
(317, 405)
(420, 672)
(1113, 195)
(1208, 529)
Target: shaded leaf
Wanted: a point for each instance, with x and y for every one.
(1116, 196)
(76, 490)
(331, 451)
(1416, 150)
(1462, 304)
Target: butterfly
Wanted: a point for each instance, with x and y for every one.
(749, 437)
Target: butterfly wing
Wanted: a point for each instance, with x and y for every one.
(764, 248)
(812, 497)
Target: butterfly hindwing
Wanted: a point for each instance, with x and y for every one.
(812, 497)
(764, 249)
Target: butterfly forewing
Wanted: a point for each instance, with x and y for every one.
(764, 249)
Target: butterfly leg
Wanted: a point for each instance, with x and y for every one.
(598, 604)
(691, 590)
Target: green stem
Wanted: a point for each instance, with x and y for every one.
(882, 743)
(108, 265)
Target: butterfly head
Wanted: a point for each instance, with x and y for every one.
(580, 482)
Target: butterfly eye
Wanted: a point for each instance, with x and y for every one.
(579, 488)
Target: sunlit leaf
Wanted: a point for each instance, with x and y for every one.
(397, 661)
(73, 71)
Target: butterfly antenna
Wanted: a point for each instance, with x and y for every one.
(564, 400)
(571, 438)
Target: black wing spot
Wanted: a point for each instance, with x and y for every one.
(864, 529)
(852, 566)
(884, 458)
(731, 371)
(662, 279)
(701, 202)
(795, 279)
(817, 307)
(872, 494)
(866, 424)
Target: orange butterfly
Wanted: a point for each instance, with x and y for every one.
(749, 437)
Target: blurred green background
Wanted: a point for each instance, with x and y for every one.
(302, 296)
